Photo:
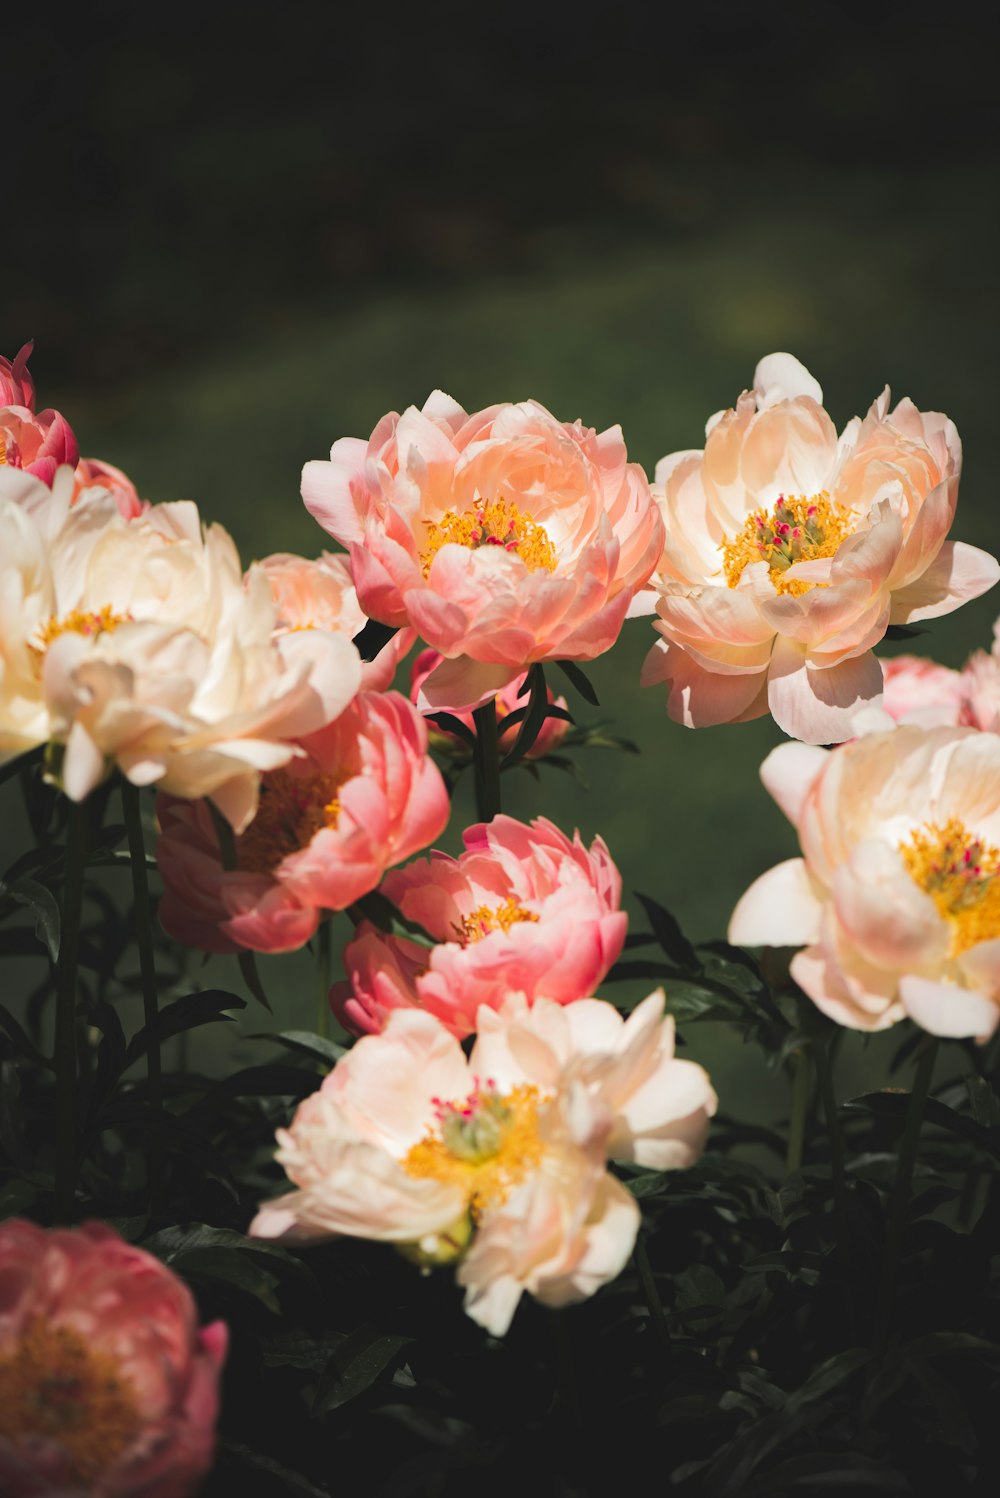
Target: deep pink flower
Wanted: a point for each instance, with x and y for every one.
(523, 910)
(363, 796)
(108, 1389)
(503, 537)
(508, 701)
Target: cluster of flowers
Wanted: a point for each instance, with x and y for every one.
(774, 560)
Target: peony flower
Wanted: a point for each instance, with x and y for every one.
(522, 910)
(920, 691)
(789, 551)
(896, 898)
(322, 595)
(504, 538)
(107, 1387)
(508, 701)
(363, 796)
(92, 473)
(138, 643)
(497, 1161)
(37, 442)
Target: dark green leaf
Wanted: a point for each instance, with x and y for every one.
(318, 1047)
(579, 680)
(43, 906)
(387, 917)
(19, 1040)
(186, 1013)
(373, 638)
(354, 1367)
(292, 1483)
(448, 723)
(820, 1471)
(534, 717)
(251, 977)
(903, 632)
(670, 936)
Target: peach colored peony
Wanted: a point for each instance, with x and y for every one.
(896, 898)
(503, 537)
(497, 1161)
(107, 1387)
(523, 910)
(92, 473)
(508, 701)
(322, 595)
(789, 551)
(138, 643)
(363, 796)
(920, 691)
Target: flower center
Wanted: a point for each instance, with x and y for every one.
(53, 1387)
(959, 872)
(292, 809)
(90, 623)
(486, 1144)
(3, 452)
(485, 918)
(799, 530)
(491, 523)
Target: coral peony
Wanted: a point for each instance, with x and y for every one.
(92, 473)
(920, 691)
(39, 442)
(522, 910)
(322, 595)
(499, 1160)
(107, 1387)
(508, 701)
(789, 552)
(139, 643)
(897, 895)
(504, 538)
(363, 796)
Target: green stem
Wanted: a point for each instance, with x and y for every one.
(486, 761)
(648, 1282)
(799, 1107)
(323, 954)
(824, 1067)
(899, 1202)
(150, 992)
(65, 1039)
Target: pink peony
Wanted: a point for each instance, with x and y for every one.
(322, 595)
(920, 691)
(523, 910)
(504, 538)
(364, 796)
(92, 473)
(497, 1161)
(508, 701)
(38, 442)
(896, 898)
(789, 551)
(107, 1387)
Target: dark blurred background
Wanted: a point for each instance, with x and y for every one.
(237, 233)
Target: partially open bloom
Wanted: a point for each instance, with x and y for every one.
(896, 898)
(916, 690)
(93, 473)
(508, 701)
(322, 595)
(789, 551)
(523, 910)
(108, 1388)
(137, 642)
(363, 795)
(497, 1161)
(38, 442)
(503, 537)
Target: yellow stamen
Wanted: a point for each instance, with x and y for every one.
(799, 530)
(491, 523)
(53, 1387)
(485, 1145)
(486, 918)
(292, 809)
(79, 622)
(958, 871)
(3, 452)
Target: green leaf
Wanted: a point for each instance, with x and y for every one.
(387, 917)
(823, 1470)
(579, 680)
(448, 723)
(670, 936)
(186, 1013)
(903, 632)
(373, 637)
(20, 1042)
(358, 1362)
(534, 717)
(42, 904)
(292, 1483)
(983, 1101)
(895, 1105)
(252, 1266)
(306, 1043)
(828, 1376)
(251, 977)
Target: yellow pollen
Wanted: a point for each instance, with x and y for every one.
(54, 1387)
(958, 871)
(80, 622)
(491, 523)
(800, 529)
(3, 452)
(486, 1145)
(485, 918)
(292, 809)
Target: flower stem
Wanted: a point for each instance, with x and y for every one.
(150, 993)
(824, 1067)
(899, 1202)
(65, 1038)
(648, 1282)
(799, 1106)
(486, 761)
(323, 953)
